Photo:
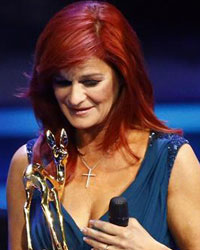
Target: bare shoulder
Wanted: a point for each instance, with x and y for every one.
(18, 164)
(186, 169)
(184, 199)
(19, 160)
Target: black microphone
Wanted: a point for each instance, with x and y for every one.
(118, 211)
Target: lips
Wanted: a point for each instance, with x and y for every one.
(80, 111)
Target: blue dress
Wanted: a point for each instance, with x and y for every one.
(146, 196)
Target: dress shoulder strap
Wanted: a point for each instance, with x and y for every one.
(173, 143)
(29, 149)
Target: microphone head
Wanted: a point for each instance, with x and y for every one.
(118, 211)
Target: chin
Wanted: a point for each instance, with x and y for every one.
(83, 125)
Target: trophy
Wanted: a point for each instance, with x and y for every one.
(51, 190)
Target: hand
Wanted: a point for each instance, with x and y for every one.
(113, 237)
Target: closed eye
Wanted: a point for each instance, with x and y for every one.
(90, 83)
(66, 83)
(62, 83)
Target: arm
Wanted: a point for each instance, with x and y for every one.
(184, 199)
(16, 199)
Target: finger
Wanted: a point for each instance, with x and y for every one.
(98, 245)
(95, 244)
(106, 227)
(98, 235)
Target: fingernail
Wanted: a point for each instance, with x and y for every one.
(84, 230)
(92, 221)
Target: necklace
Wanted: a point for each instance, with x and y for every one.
(90, 169)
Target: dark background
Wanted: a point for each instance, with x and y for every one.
(169, 32)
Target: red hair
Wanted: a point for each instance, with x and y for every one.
(77, 32)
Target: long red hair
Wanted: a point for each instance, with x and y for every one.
(77, 32)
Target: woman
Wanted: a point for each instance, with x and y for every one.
(89, 78)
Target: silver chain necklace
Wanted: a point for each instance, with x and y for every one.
(89, 174)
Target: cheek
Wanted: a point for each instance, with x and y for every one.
(104, 94)
(60, 95)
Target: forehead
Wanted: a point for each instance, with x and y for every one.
(91, 66)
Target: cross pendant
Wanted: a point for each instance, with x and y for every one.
(89, 174)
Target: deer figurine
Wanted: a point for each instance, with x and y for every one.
(51, 189)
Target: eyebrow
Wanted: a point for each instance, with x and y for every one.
(91, 75)
(81, 78)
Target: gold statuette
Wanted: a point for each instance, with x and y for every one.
(51, 190)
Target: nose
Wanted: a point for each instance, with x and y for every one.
(77, 94)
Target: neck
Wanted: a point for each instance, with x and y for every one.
(88, 140)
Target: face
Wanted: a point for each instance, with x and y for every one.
(86, 93)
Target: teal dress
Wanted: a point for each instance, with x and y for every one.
(146, 196)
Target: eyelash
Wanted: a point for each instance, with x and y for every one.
(90, 83)
(65, 83)
(62, 83)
